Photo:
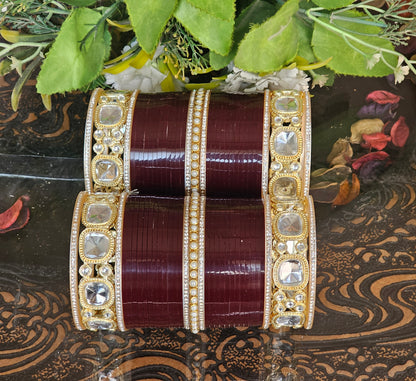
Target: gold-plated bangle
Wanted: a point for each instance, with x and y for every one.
(289, 273)
(107, 141)
(194, 212)
(96, 244)
(96, 237)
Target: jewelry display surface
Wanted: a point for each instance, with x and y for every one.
(365, 316)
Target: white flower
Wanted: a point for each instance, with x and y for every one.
(400, 71)
(146, 79)
(319, 80)
(373, 60)
(242, 82)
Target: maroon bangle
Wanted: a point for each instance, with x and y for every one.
(234, 262)
(152, 262)
(234, 145)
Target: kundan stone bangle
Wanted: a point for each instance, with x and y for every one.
(290, 269)
(95, 282)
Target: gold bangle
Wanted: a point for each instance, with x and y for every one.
(289, 301)
(194, 212)
(96, 237)
(109, 121)
(96, 243)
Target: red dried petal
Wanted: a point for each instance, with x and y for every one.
(399, 132)
(379, 155)
(16, 217)
(377, 140)
(382, 97)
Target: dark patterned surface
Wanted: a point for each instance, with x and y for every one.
(365, 322)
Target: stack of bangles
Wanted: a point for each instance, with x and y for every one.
(196, 212)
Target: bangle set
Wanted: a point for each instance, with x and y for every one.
(289, 238)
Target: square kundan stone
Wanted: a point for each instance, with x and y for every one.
(286, 143)
(97, 293)
(287, 104)
(290, 273)
(96, 245)
(284, 188)
(98, 213)
(290, 224)
(110, 115)
(106, 170)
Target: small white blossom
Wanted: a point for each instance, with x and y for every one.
(147, 79)
(243, 82)
(400, 71)
(320, 80)
(375, 58)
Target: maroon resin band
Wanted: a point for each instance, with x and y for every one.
(152, 262)
(234, 145)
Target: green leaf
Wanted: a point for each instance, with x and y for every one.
(79, 3)
(304, 32)
(223, 9)
(149, 18)
(271, 45)
(333, 4)
(351, 57)
(18, 87)
(256, 13)
(68, 65)
(210, 30)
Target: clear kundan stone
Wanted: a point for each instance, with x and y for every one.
(290, 224)
(97, 293)
(287, 104)
(284, 187)
(290, 273)
(288, 320)
(98, 213)
(106, 170)
(99, 324)
(96, 245)
(110, 114)
(286, 143)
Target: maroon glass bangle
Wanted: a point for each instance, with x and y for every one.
(234, 262)
(234, 145)
(152, 262)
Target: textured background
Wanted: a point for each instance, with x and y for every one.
(365, 321)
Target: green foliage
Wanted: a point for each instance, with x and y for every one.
(304, 31)
(256, 13)
(349, 56)
(212, 30)
(79, 3)
(333, 4)
(68, 65)
(149, 19)
(261, 49)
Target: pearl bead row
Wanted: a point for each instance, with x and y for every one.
(194, 212)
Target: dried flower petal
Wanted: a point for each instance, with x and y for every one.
(16, 217)
(382, 97)
(371, 169)
(347, 192)
(400, 132)
(365, 126)
(379, 155)
(341, 152)
(336, 174)
(385, 112)
(324, 192)
(377, 140)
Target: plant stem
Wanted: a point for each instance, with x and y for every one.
(311, 14)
